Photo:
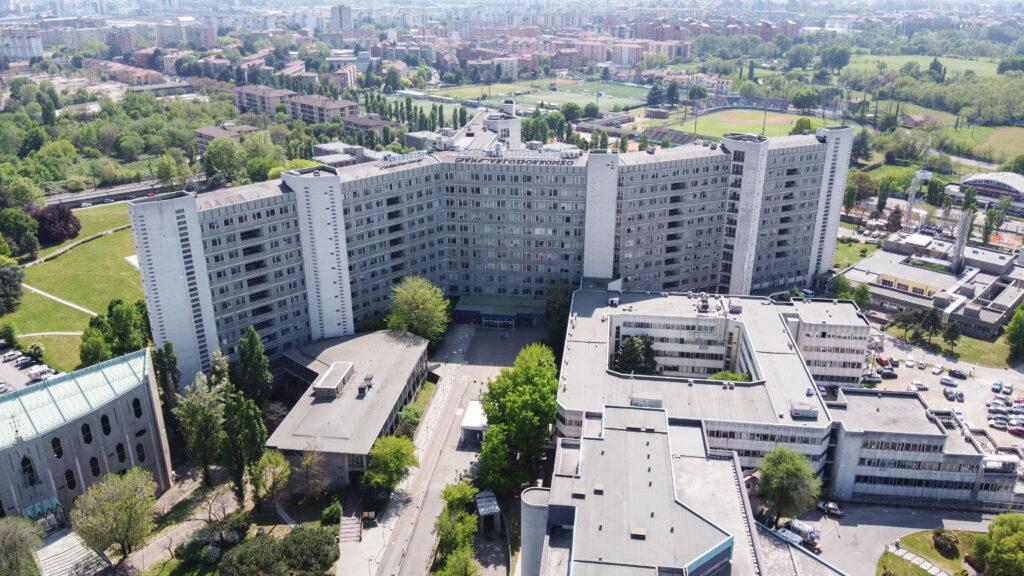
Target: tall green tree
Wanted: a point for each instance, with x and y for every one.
(94, 347)
(251, 372)
(951, 334)
(11, 276)
(20, 230)
(200, 414)
(842, 288)
(803, 124)
(165, 368)
(269, 477)
(223, 156)
(245, 439)
(862, 295)
(635, 356)
(788, 483)
(419, 307)
(19, 538)
(391, 459)
(127, 332)
(117, 511)
(994, 218)
(1000, 551)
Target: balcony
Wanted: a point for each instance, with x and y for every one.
(261, 295)
(256, 280)
(394, 214)
(249, 234)
(252, 250)
(255, 265)
(395, 228)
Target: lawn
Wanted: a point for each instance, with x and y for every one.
(95, 220)
(534, 92)
(920, 543)
(848, 225)
(92, 274)
(1005, 141)
(424, 394)
(40, 314)
(870, 62)
(474, 91)
(847, 255)
(970, 350)
(59, 352)
(172, 567)
(890, 561)
(746, 121)
(616, 90)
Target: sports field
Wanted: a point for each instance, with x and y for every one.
(747, 121)
(533, 92)
(870, 62)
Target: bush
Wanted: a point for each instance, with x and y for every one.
(945, 542)
(236, 523)
(408, 419)
(211, 554)
(331, 515)
(194, 547)
(310, 550)
(259, 555)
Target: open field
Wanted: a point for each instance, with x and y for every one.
(59, 352)
(972, 350)
(539, 91)
(870, 62)
(1001, 142)
(1004, 141)
(40, 314)
(720, 123)
(91, 275)
(613, 90)
(920, 543)
(848, 254)
(476, 90)
(95, 220)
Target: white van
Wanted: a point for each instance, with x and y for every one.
(38, 372)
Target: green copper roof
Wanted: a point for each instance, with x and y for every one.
(46, 406)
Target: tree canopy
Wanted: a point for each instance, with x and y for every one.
(391, 459)
(788, 484)
(635, 356)
(117, 511)
(1000, 552)
(419, 307)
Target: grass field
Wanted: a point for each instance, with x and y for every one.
(847, 255)
(537, 91)
(891, 562)
(870, 62)
(40, 314)
(921, 544)
(94, 220)
(59, 352)
(972, 350)
(1002, 142)
(720, 123)
(92, 274)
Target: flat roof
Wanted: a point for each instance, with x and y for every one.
(870, 410)
(587, 384)
(349, 423)
(246, 193)
(893, 264)
(35, 410)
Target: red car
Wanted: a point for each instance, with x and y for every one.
(1016, 430)
(881, 361)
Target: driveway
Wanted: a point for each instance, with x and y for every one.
(855, 542)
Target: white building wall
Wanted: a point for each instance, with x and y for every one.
(324, 250)
(751, 191)
(602, 197)
(168, 241)
(839, 142)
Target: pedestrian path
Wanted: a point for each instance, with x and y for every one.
(61, 300)
(916, 560)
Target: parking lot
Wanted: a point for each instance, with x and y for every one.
(14, 378)
(976, 389)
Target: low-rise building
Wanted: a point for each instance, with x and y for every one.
(315, 109)
(260, 99)
(356, 388)
(63, 435)
(207, 134)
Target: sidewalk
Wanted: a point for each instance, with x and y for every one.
(916, 560)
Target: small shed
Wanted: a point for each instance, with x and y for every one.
(488, 511)
(474, 423)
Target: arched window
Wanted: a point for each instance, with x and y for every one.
(137, 408)
(120, 453)
(69, 478)
(58, 450)
(140, 452)
(28, 471)
(94, 466)
(86, 434)
(105, 425)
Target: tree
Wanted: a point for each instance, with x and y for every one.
(895, 219)
(419, 307)
(200, 414)
(408, 420)
(655, 95)
(455, 529)
(94, 347)
(56, 223)
(696, 92)
(805, 99)
(459, 496)
(861, 147)
(35, 351)
(314, 476)
(862, 295)
(391, 458)
(994, 218)
(269, 476)
(117, 511)
(254, 556)
(1015, 333)
(498, 468)
(951, 334)
(127, 333)
(165, 368)
(842, 288)
(310, 550)
(803, 124)
(166, 170)
(788, 483)
(223, 156)
(799, 56)
(1000, 551)
(460, 563)
(11, 277)
(571, 111)
(861, 184)
(635, 356)
(672, 93)
(251, 372)
(19, 538)
(245, 438)
(591, 110)
(8, 336)
(20, 231)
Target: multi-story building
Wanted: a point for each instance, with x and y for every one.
(341, 17)
(206, 134)
(63, 435)
(315, 109)
(345, 76)
(260, 99)
(21, 44)
(200, 37)
(746, 214)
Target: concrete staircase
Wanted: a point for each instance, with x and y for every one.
(64, 554)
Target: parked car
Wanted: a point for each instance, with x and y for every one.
(1007, 388)
(910, 361)
(881, 361)
(919, 385)
(947, 381)
(12, 355)
(1016, 430)
(3, 388)
(921, 365)
(959, 395)
(957, 373)
(948, 394)
(23, 361)
(108, 201)
(997, 386)
(831, 509)
(85, 204)
(871, 378)
(894, 362)
(997, 410)
(998, 424)
(937, 369)
(888, 374)
(1015, 421)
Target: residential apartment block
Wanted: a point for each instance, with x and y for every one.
(315, 109)
(260, 99)
(311, 255)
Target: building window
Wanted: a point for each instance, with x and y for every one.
(58, 450)
(120, 453)
(69, 478)
(140, 452)
(94, 466)
(105, 425)
(86, 434)
(137, 408)
(28, 471)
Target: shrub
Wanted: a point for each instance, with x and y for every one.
(331, 515)
(309, 550)
(945, 542)
(211, 554)
(259, 555)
